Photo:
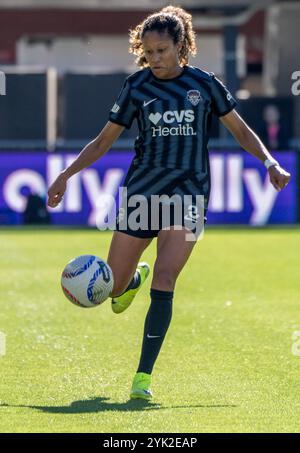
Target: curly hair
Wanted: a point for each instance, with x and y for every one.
(172, 20)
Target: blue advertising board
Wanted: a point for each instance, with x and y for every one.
(241, 191)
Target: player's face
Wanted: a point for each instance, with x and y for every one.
(161, 54)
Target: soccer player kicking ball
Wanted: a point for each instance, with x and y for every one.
(173, 103)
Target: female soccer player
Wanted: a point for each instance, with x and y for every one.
(173, 103)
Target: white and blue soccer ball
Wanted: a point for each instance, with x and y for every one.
(87, 281)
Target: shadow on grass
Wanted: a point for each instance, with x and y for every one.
(101, 404)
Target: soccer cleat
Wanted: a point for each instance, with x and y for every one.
(120, 303)
(140, 387)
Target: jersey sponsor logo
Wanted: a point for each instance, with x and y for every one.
(170, 117)
(184, 115)
(115, 108)
(229, 96)
(194, 97)
(155, 118)
(149, 102)
(181, 129)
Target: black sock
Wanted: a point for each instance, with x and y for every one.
(135, 282)
(156, 325)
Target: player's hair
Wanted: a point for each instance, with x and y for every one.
(172, 20)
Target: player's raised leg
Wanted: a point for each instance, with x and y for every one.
(123, 258)
(173, 252)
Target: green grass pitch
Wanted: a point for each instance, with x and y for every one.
(229, 362)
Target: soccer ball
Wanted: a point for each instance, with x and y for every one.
(87, 281)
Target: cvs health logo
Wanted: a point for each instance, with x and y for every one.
(170, 117)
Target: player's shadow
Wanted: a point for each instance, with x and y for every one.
(101, 404)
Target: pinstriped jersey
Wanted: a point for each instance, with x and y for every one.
(173, 116)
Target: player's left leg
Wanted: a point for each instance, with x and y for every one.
(173, 251)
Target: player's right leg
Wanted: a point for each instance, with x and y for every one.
(123, 258)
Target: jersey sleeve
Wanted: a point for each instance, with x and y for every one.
(124, 110)
(222, 100)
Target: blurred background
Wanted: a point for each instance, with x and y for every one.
(63, 63)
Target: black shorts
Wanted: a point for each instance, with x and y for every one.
(158, 198)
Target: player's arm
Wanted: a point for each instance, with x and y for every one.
(250, 142)
(90, 153)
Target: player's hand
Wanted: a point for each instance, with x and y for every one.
(279, 177)
(56, 191)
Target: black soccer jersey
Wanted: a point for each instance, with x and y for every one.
(173, 117)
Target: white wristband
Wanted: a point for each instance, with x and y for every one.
(270, 163)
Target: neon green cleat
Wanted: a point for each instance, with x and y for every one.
(120, 303)
(140, 387)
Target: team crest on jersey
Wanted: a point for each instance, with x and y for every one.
(194, 97)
